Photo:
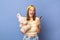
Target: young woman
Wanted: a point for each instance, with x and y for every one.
(31, 27)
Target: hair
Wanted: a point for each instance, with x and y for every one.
(34, 16)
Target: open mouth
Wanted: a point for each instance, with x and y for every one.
(31, 13)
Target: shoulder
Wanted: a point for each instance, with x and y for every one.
(37, 19)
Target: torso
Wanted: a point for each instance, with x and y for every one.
(33, 30)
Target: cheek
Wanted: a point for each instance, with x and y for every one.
(31, 12)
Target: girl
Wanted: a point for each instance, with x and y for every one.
(31, 27)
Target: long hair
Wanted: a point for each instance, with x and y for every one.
(34, 16)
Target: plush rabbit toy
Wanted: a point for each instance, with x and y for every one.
(21, 19)
(25, 25)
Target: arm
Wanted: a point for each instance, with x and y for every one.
(38, 25)
(25, 28)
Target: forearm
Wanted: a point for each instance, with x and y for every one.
(38, 29)
(25, 28)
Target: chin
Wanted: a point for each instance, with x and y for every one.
(30, 16)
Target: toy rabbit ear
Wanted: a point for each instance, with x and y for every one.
(19, 14)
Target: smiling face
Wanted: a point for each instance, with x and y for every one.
(31, 12)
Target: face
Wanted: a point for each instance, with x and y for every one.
(31, 11)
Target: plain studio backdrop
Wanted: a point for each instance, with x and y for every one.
(50, 22)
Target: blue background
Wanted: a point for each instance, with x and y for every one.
(50, 23)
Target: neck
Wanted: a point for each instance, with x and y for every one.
(31, 19)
